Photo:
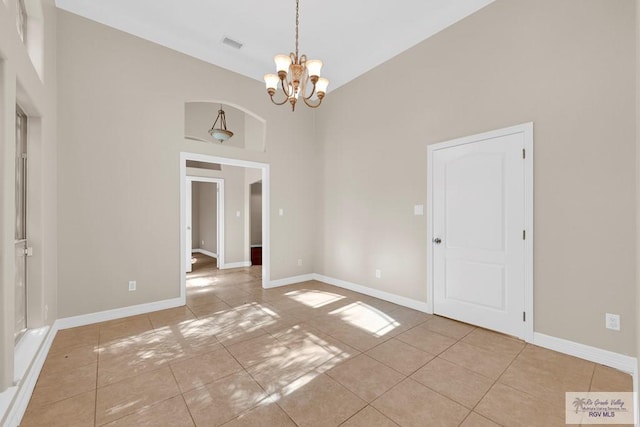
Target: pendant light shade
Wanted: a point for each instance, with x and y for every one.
(220, 134)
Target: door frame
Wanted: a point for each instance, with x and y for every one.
(527, 130)
(264, 167)
(219, 213)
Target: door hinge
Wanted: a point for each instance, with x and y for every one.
(524, 234)
(524, 316)
(524, 156)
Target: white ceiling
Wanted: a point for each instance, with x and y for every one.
(350, 36)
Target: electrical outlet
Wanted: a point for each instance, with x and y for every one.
(378, 274)
(281, 212)
(612, 321)
(132, 285)
(202, 243)
(299, 262)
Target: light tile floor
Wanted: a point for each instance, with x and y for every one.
(309, 355)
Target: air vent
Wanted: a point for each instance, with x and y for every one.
(230, 42)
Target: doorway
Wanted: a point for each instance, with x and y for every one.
(235, 218)
(205, 218)
(21, 247)
(480, 233)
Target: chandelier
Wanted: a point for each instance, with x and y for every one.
(297, 76)
(221, 134)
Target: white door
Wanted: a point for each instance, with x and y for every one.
(188, 216)
(478, 210)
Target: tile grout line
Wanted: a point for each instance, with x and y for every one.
(181, 393)
(254, 380)
(593, 374)
(496, 382)
(95, 403)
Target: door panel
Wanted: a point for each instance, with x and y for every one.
(478, 217)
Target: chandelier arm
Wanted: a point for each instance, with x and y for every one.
(278, 103)
(285, 89)
(313, 91)
(310, 104)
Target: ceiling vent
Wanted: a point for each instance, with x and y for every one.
(230, 42)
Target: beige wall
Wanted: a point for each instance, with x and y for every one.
(568, 66)
(121, 121)
(28, 77)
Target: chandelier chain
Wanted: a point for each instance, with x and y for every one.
(297, 24)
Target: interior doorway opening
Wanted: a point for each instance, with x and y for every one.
(233, 179)
(205, 221)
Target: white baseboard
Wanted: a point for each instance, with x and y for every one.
(235, 265)
(396, 299)
(604, 357)
(20, 395)
(117, 313)
(288, 281)
(205, 252)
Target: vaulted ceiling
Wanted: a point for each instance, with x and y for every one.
(349, 36)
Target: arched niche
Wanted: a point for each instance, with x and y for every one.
(248, 128)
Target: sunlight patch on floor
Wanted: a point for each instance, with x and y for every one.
(313, 298)
(201, 282)
(367, 318)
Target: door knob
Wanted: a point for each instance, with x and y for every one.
(437, 241)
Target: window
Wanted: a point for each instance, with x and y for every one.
(21, 174)
(21, 19)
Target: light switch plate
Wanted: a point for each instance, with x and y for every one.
(418, 209)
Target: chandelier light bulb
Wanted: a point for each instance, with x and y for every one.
(321, 85)
(271, 81)
(283, 62)
(313, 67)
